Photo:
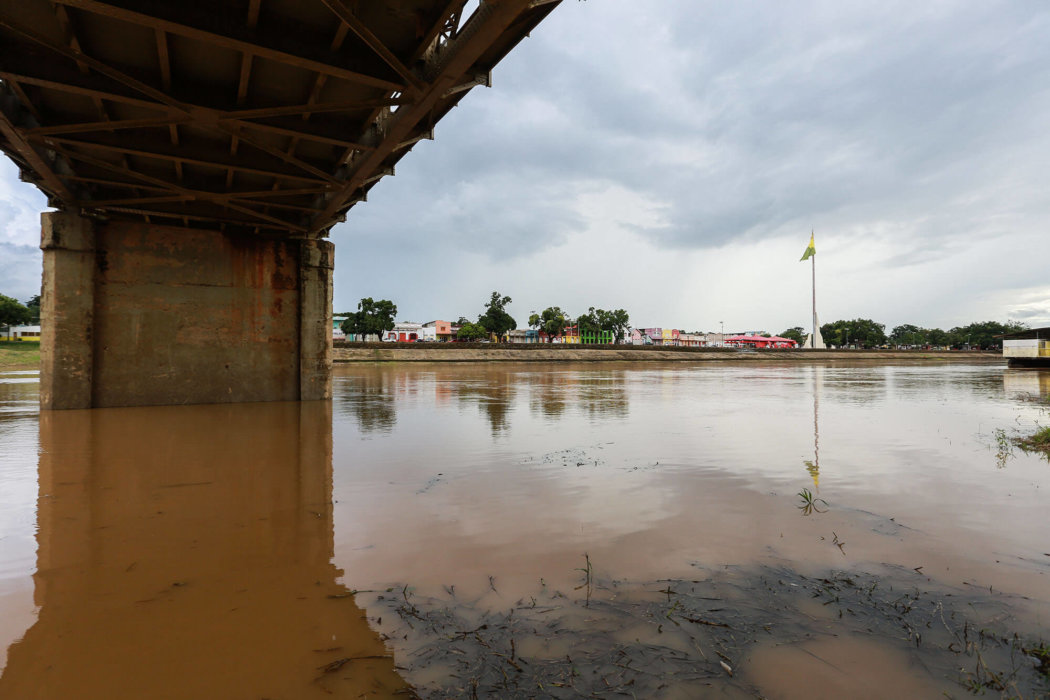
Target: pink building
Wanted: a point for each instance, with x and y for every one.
(442, 329)
(759, 341)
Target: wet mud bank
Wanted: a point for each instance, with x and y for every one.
(764, 631)
(477, 352)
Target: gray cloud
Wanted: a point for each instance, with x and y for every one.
(20, 256)
(20, 267)
(911, 136)
(746, 117)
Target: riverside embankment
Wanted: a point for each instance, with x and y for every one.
(482, 352)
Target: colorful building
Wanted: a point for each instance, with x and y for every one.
(670, 336)
(759, 342)
(29, 333)
(337, 331)
(404, 333)
(442, 330)
(520, 335)
(572, 335)
(597, 338)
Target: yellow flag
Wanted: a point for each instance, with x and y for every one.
(811, 250)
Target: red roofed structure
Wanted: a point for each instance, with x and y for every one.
(759, 341)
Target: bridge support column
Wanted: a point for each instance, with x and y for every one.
(67, 308)
(137, 314)
(316, 266)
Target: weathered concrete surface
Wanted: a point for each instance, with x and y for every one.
(67, 307)
(539, 353)
(316, 267)
(167, 315)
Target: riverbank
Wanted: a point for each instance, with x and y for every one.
(479, 352)
(19, 355)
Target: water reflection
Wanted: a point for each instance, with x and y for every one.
(813, 467)
(493, 393)
(19, 395)
(372, 394)
(1027, 383)
(368, 395)
(602, 392)
(547, 395)
(186, 552)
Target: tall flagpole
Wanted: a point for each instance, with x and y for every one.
(813, 259)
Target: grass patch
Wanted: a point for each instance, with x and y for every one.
(15, 353)
(1039, 441)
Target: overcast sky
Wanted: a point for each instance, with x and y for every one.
(671, 157)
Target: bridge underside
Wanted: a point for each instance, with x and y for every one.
(211, 144)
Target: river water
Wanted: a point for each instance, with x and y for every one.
(293, 550)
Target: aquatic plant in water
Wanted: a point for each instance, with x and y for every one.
(809, 502)
(1037, 441)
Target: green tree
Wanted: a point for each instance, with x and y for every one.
(596, 320)
(616, 321)
(588, 322)
(371, 318)
(936, 337)
(908, 334)
(472, 331)
(534, 321)
(983, 334)
(796, 333)
(553, 321)
(862, 332)
(34, 308)
(12, 313)
(835, 333)
(496, 320)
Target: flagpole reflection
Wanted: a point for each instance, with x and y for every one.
(813, 467)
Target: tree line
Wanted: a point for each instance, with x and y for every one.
(552, 321)
(375, 317)
(866, 333)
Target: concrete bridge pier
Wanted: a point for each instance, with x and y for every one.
(137, 314)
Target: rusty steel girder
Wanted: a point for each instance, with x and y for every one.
(267, 116)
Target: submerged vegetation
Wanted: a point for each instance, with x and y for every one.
(1039, 441)
(1034, 441)
(694, 637)
(809, 502)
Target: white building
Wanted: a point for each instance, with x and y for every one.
(405, 333)
(1028, 348)
(20, 333)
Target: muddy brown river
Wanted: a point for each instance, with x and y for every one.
(530, 530)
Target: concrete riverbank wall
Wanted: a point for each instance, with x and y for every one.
(471, 352)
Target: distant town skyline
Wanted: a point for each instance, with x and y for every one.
(671, 159)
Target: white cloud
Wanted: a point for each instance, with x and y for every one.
(671, 158)
(20, 257)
